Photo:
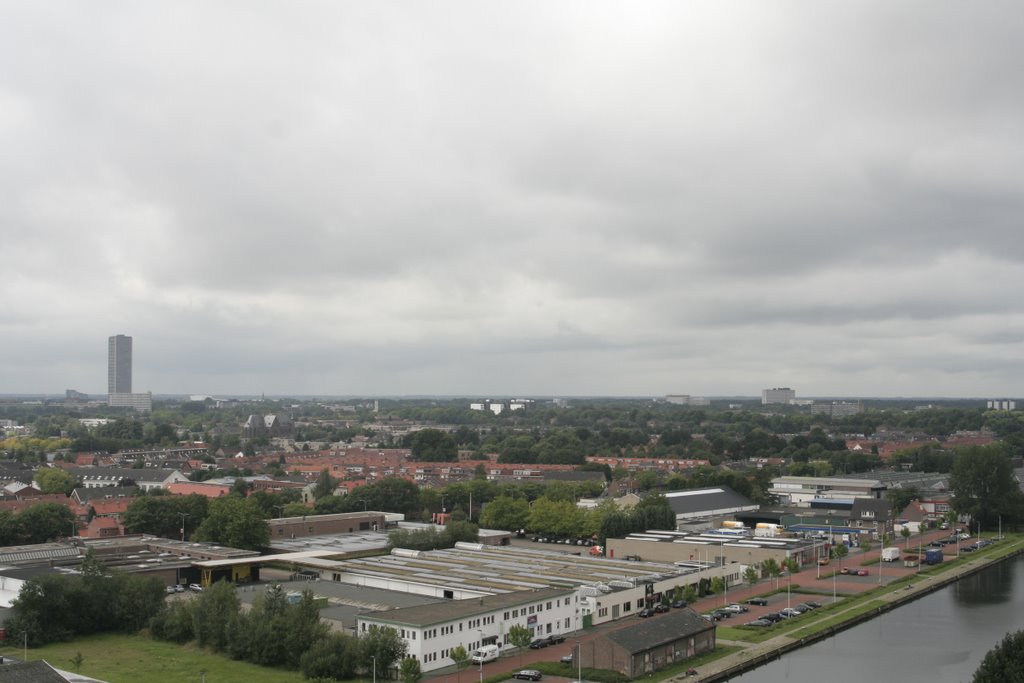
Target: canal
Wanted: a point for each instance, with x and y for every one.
(940, 638)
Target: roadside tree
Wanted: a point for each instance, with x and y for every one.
(461, 659)
(521, 637)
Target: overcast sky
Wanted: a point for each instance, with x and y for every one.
(514, 199)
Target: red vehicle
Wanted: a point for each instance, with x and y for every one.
(862, 572)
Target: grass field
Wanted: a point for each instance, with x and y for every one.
(129, 659)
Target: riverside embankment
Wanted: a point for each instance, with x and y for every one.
(761, 648)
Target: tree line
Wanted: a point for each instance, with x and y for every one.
(279, 631)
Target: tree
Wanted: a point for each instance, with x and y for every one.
(717, 585)
(410, 671)
(235, 522)
(431, 445)
(1004, 663)
(905, 533)
(899, 499)
(772, 568)
(161, 515)
(521, 637)
(334, 657)
(983, 486)
(214, 612)
(751, 575)
(690, 594)
(381, 646)
(505, 512)
(461, 659)
(324, 485)
(45, 522)
(792, 565)
(55, 480)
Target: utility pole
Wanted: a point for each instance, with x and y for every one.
(183, 516)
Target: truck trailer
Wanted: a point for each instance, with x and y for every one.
(890, 554)
(933, 556)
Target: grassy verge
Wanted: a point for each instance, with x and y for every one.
(846, 615)
(123, 658)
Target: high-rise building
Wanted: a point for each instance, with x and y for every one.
(119, 376)
(119, 364)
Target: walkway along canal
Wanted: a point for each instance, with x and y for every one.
(934, 628)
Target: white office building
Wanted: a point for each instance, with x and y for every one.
(777, 395)
(431, 632)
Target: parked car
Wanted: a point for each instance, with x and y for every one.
(195, 587)
(763, 602)
(679, 604)
(789, 612)
(813, 604)
(803, 607)
(171, 590)
(735, 609)
(566, 659)
(773, 616)
(178, 588)
(556, 639)
(713, 616)
(823, 561)
(661, 608)
(538, 643)
(646, 612)
(759, 622)
(528, 675)
(862, 572)
(724, 614)
(844, 570)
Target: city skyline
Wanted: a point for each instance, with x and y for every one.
(529, 199)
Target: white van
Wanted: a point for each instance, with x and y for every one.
(486, 653)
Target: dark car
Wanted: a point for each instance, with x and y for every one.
(773, 616)
(759, 622)
(812, 604)
(556, 639)
(758, 601)
(528, 675)
(723, 614)
(661, 608)
(539, 643)
(647, 612)
(679, 604)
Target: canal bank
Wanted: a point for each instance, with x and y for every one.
(861, 610)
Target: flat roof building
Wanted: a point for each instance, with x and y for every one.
(432, 631)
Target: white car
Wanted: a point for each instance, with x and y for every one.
(195, 587)
(735, 609)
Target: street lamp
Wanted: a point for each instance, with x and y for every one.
(374, 659)
(183, 516)
(481, 659)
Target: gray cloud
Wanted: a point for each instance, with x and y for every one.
(527, 198)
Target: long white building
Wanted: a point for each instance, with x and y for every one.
(431, 632)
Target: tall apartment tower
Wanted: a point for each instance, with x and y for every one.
(119, 364)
